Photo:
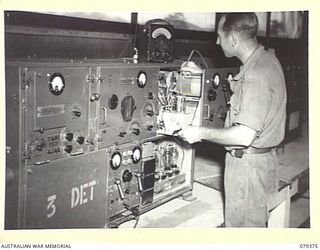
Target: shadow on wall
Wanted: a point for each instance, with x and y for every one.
(287, 24)
(178, 20)
(277, 28)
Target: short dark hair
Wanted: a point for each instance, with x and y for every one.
(245, 23)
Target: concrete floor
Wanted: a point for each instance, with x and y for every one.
(206, 211)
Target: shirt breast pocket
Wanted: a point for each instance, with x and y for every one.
(234, 105)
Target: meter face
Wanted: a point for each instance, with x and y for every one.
(216, 81)
(115, 160)
(136, 156)
(229, 77)
(56, 83)
(142, 79)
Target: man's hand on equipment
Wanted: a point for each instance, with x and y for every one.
(191, 134)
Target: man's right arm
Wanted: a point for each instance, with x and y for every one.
(239, 135)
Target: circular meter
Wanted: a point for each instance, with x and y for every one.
(216, 81)
(142, 79)
(161, 32)
(136, 155)
(115, 161)
(229, 77)
(56, 84)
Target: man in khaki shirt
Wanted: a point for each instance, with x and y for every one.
(254, 126)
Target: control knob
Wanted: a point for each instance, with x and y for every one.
(69, 136)
(150, 127)
(80, 139)
(122, 134)
(68, 149)
(76, 113)
(127, 176)
(135, 131)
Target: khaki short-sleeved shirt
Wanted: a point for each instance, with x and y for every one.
(259, 98)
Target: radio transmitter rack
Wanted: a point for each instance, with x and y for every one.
(91, 144)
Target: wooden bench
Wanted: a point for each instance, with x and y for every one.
(279, 205)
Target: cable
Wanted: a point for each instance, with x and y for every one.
(161, 120)
(206, 65)
(137, 216)
(183, 153)
(137, 221)
(194, 114)
(177, 60)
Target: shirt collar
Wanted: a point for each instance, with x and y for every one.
(252, 58)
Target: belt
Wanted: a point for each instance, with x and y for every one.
(238, 153)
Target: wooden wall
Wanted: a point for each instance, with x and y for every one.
(34, 35)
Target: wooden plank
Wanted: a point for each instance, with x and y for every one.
(280, 209)
(26, 30)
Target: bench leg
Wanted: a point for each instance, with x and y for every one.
(280, 214)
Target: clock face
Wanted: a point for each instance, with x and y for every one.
(161, 32)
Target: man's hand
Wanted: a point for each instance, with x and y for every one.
(191, 134)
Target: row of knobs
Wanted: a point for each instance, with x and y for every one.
(135, 131)
(69, 137)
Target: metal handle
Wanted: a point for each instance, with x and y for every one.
(138, 175)
(117, 182)
(104, 109)
(208, 112)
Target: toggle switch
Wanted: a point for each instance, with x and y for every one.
(135, 131)
(138, 175)
(118, 183)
